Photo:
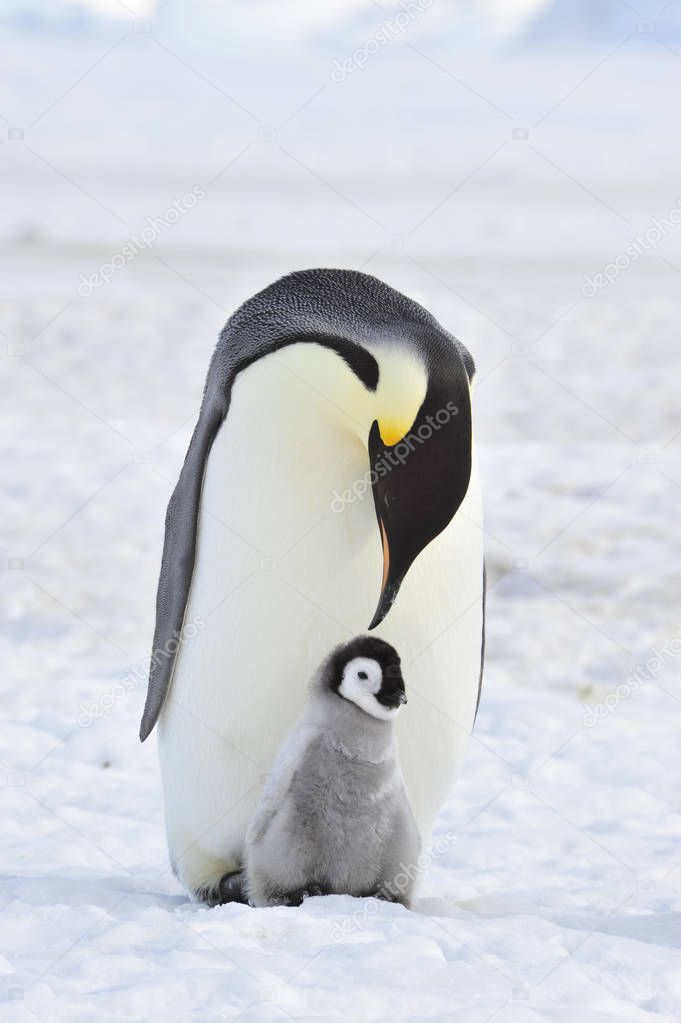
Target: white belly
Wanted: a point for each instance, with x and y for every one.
(241, 682)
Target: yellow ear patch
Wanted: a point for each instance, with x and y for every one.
(402, 384)
(392, 431)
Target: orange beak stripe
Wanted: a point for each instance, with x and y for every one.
(386, 555)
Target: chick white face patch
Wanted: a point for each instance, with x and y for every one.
(362, 680)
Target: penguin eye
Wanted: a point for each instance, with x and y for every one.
(363, 675)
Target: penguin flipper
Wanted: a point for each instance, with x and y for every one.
(177, 566)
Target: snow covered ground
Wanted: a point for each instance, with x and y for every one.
(553, 891)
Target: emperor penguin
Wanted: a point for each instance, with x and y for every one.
(330, 486)
(335, 818)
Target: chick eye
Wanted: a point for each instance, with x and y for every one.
(363, 675)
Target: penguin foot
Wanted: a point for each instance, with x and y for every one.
(230, 888)
(295, 898)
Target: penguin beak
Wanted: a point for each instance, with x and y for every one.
(420, 482)
(390, 583)
(392, 694)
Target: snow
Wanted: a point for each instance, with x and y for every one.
(553, 886)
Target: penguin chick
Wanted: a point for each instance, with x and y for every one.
(335, 817)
